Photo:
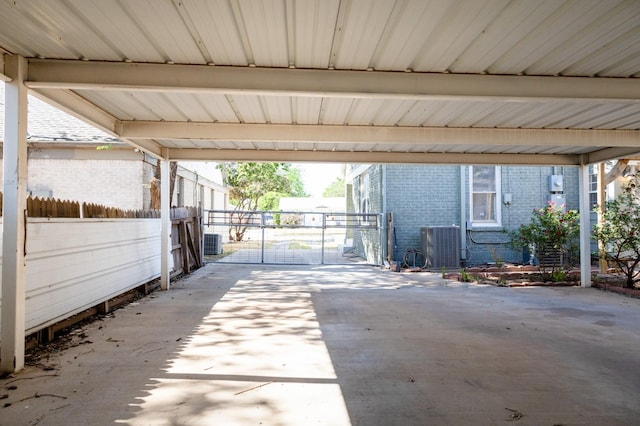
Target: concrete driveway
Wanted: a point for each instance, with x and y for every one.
(341, 345)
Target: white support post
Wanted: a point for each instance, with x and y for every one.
(165, 220)
(585, 226)
(14, 220)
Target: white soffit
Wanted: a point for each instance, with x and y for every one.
(500, 81)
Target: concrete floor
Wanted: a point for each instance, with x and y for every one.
(340, 345)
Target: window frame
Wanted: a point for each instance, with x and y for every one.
(498, 200)
(593, 186)
(363, 190)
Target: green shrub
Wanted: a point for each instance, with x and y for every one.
(550, 229)
(619, 232)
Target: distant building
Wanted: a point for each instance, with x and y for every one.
(309, 205)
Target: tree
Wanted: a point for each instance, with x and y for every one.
(335, 189)
(619, 231)
(550, 230)
(296, 188)
(154, 186)
(271, 200)
(249, 183)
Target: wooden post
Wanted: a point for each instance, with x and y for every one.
(197, 237)
(184, 245)
(602, 203)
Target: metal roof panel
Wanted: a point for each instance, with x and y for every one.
(360, 26)
(265, 25)
(217, 31)
(546, 38)
(312, 28)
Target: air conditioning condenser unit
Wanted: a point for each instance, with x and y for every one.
(212, 244)
(441, 246)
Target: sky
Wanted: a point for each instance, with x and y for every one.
(317, 176)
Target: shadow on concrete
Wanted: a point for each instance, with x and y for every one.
(464, 354)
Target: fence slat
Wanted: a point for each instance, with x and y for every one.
(50, 207)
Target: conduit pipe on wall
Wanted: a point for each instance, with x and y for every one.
(463, 215)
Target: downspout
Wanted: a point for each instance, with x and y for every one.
(463, 216)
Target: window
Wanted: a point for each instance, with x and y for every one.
(364, 192)
(485, 195)
(180, 192)
(362, 198)
(593, 186)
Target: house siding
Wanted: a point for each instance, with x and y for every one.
(74, 264)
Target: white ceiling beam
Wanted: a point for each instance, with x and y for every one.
(57, 74)
(376, 134)
(149, 146)
(613, 154)
(3, 75)
(370, 157)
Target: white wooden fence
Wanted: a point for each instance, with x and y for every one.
(74, 264)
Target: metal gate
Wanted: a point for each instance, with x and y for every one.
(294, 238)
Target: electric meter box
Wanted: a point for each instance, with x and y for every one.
(559, 201)
(556, 183)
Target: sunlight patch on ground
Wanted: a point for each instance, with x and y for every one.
(257, 357)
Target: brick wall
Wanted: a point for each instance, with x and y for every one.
(429, 195)
(421, 196)
(529, 189)
(115, 183)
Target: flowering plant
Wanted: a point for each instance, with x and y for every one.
(554, 233)
(619, 231)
